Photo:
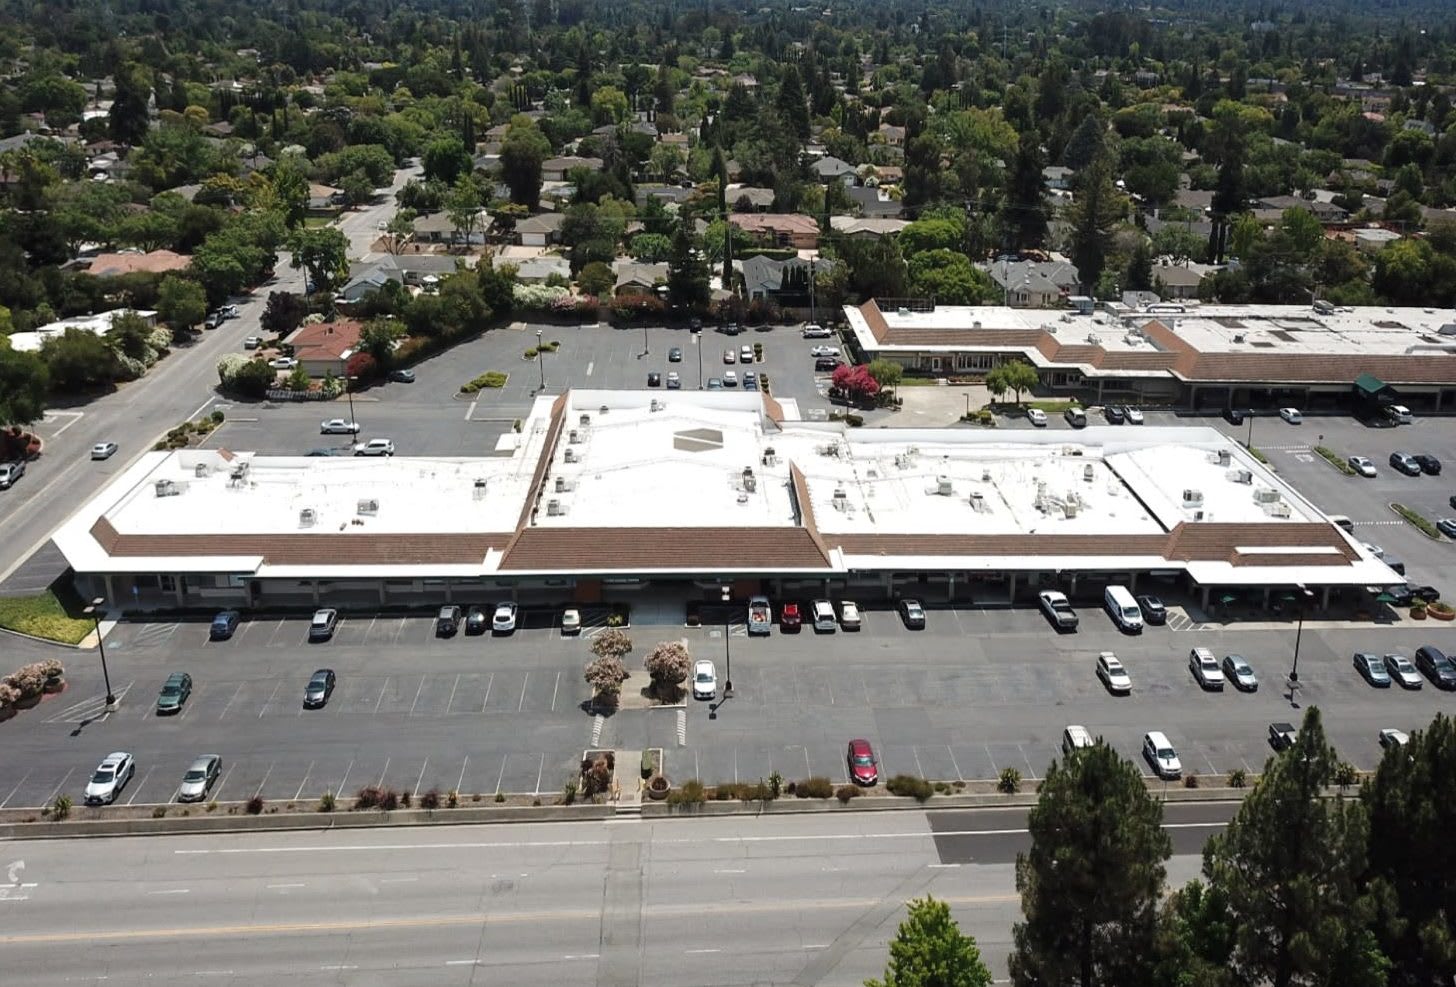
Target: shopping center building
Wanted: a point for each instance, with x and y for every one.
(610, 493)
(1192, 356)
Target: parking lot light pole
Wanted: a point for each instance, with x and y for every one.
(94, 612)
(541, 359)
(727, 645)
(698, 345)
(1304, 596)
(349, 390)
(1249, 442)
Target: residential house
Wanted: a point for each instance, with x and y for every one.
(98, 325)
(322, 198)
(746, 80)
(638, 279)
(1325, 212)
(540, 230)
(668, 194)
(785, 282)
(1057, 177)
(1034, 284)
(538, 270)
(406, 269)
(136, 262)
(1181, 281)
(20, 140)
(893, 135)
(322, 348)
(784, 229)
(866, 227)
(875, 202)
(438, 227)
(830, 168)
(747, 198)
(1370, 241)
(1198, 200)
(556, 169)
(873, 175)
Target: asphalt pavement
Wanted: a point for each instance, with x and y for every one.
(773, 899)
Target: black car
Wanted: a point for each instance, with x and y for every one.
(402, 376)
(1153, 610)
(1404, 596)
(1434, 665)
(447, 622)
(674, 355)
(1429, 464)
(320, 687)
(826, 363)
(223, 625)
(1281, 735)
(1114, 414)
(654, 379)
(1447, 527)
(476, 621)
(695, 325)
(1453, 500)
(1234, 416)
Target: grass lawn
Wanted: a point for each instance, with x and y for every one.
(315, 222)
(1052, 407)
(43, 616)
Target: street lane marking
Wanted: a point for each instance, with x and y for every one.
(462, 962)
(172, 891)
(276, 886)
(555, 689)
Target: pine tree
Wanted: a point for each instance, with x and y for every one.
(1086, 144)
(791, 104)
(1091, 883)
(1288, 865)
(931, 951)
(1098, 205)
(687, 272)
(1024, 215)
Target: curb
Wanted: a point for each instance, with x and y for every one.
(78, 646)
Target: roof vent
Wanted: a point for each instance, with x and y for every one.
(943, 486)
(657, 405)
(480, 489)
(570, 456)
(750, 482)
(554, 508)
(976, 324)
(368, 507)
(573, 437)
(584, 420)
(1238, 337)
(307, 517)
(201, 470)
(167, 488)
(1192, 498)
(602, 410)
(1198, 515)
(563, 485)
(1088, 472)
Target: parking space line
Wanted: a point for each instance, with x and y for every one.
(270, 699)
(275, 632)
(370, 631)
(259, 789)
(735, 765)
(954, 763)
(299, 794)
(16, 789)
(915, 753)
(421, 779)
(381, 694)
(488, 683)
(345, 780)
(221, 782)
(140, 785)
(539, 771)
(863, 685)
(451, 704)
(52, 798)
(994, 770)
(461, 783)
(554, 690)
(247, 626)
(399, 630)
(384, 772)
(1031, 771)
(1208, 761)
(417, 696)
(502, 776)
(522, 704)
(807, 765)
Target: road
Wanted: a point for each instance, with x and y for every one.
(772, 899)
(180, 387)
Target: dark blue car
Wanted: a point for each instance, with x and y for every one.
(223, 625)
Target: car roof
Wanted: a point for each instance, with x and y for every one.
(176, 676)
(115, 756)
(1158, 738)
(202, 760)
(322, 672)
(859, 744)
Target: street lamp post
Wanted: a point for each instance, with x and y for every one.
(541, 359)
(698, 345)
(1249, 442)
(349, 390)
(727, 645)
(645, 349)
(1303, 599)
(94, 612)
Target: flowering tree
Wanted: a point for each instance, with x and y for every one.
(668, 664)
(611, 643)
(856, 383)
(605, 675)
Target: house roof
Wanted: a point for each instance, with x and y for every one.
(1041, 277)
(874, 225)
(766, 274)
(542, 222)
(759, 198)
(565, 164)
(153, 262)
(774, 222)
(326, 340)
(872, 203)
(831, 167)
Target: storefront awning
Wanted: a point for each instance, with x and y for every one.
(1370, 385)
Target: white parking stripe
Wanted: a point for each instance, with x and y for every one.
(15, 789)
(299, 794)
(270, 699)
(51, 800)
(421, 779)
(417, 696)
(138, 789)
(450, 705)
(381, 694)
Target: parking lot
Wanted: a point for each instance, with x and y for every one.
(979, 690)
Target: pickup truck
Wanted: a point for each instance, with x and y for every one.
(1058, 610)
(760, 615)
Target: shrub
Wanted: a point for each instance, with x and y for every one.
(454, 798)
(846, 792)
(612, 643)
(61, 807)
(1346, 774)
(405, 798)
(854, 421)
(217, 416)
(1190, 781)
(491, 379)
(910, 786)
(568, 792)
(690, 792)
(605, 675)
(430, 801)
(212, 806)
(814, 788)
(596, 775)
(159, 811)
(1418, 520)
(668, 664)
(775, 783)
(388, 800)
(327, 802)
(255, 805)
(500, 796)
(1009, 781)
(372, 797)
(1333, 458)
(1238, 778)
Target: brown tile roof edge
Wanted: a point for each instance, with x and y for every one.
(548, 450)
(773, 410)
(806, 508)
(647, 549)
(875, 319)
(337, 548)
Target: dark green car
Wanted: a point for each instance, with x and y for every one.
(174, 693)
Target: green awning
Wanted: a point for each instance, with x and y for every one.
(1385, 598)
(1227, 598)
(1370, 385)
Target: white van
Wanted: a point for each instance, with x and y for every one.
(824, 619)
(1123, 608)
(1398, 413)
(1075, 738)
(1342, 522)
(1076, 417)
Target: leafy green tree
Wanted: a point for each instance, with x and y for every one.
(887, 373)
(1195, 944)
(1412, 868)
(283, 312)
(254, 379)
(1301, 231)
(77, 360)
(462, 204)
(1179, 244)
(24, 382)
(1097, 207)
(650, 247)
(522, 153)
(323, 252)
(950, 278)
(931, 951)
(290, 188)
(687, 272)
(1092, 881)
(445, 159)
(181, 302)
(609, 105)
(1288, 865)
(1139, 276)
(938, 233)
(790, 102)
(875, 268)
(596, 278)
(379, 336)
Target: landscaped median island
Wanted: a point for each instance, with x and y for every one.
(43, 616)
(1418, 520)
(491, 379)
(1335, 460)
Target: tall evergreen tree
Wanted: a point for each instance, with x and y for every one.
(1091, 883)
(1086, 144)
(1024, 214)
(1288, 866)
(687, 272)
(791, 104)
(1097, 206)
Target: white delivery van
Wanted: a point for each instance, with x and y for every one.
(1123, 608)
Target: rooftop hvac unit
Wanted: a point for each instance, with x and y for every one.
(1277, 508)
(1225, 457)
(573, 437)
(1240, 476)
(554, 508)
(657, 405)
(1088, 472)
(563, 485)
(201, 470)
(238, 471)
(307, 517)
(840, 500)
(602, 410)
(977, 501)
(1070, 508)
(1238, 337)
(570, 455)
(943, 486)
(1192, 498)
(584, 420)
(480, 489)
(976, 324)
(985, 476)
(1265, 495)
(167, 488)
(369, 507)
(1198, 515)
(750, 482)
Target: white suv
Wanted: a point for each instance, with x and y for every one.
(111, 776)
(815, 331)
(375, 447)
(1204, 667)
(1161, 755)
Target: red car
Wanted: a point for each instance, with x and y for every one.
(863, 767)
(790, 619)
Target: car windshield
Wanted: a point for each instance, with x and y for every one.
(863, 759)
(103, 776)
(171, 689)
(317, 683)
(704, 676)
(1166, 753)
(196, 774)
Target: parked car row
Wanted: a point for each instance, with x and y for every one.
(503, 619)
(1414, 464)
(1211, 673)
